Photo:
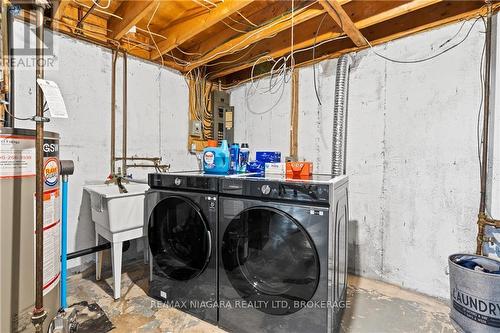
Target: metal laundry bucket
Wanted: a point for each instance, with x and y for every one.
(474, 295)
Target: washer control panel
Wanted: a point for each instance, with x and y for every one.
(183, 182)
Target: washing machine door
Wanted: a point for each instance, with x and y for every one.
(179, 238)
(270, 260)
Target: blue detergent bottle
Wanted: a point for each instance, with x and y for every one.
(216, 159)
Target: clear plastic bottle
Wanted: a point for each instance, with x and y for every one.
(244, 156)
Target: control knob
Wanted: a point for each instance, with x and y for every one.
(265, 189)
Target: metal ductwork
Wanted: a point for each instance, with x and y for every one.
(340, 116)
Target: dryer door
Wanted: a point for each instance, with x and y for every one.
(270, 260)
(179, 238)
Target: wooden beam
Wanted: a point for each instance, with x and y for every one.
(394, 12)
(264, 32)
(131, 12)
(364, 23)
(59, 8)
(181, 32)
(338, 14)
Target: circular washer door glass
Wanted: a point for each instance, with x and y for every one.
(270, 260)
(179, 238)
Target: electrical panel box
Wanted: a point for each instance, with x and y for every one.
(223, 117)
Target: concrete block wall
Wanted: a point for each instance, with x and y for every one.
(157, 119)
(411, 154)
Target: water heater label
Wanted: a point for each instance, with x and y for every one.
(51, 240)
(17, 156)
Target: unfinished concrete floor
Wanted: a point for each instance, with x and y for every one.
(373, 306)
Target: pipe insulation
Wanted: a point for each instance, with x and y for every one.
(339, 116)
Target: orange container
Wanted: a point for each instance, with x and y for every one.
(299, 170)
(212, 143)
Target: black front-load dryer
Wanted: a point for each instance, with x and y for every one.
(181, 225)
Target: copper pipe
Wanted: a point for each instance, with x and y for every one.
(39, 313)
(5, 117)
(483, 220)
(486, 114)
(114, 54)
(153, 159)
(125, 96)
(8, 73)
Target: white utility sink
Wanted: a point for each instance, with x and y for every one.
(118, 217)
(117, 211)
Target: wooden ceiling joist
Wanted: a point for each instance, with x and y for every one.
(131, 13)
(338, 14)
(402, 9)
(59, 8)
(179, 33)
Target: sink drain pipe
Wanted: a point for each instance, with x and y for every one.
(339, 138)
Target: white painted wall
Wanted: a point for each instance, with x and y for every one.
(157, 119)
(411, 155)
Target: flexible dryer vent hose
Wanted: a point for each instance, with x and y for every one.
(339, 116)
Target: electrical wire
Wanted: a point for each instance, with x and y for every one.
(399, 61)
(151, 35)
(479, 133)
(232, 61)
(238, 22)
(102, 7)
(98, 10)
(246, 19)
(314, 56)
(232, 28)
(202, 4)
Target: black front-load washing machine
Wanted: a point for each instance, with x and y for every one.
(181, 224)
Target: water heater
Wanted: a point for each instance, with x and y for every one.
(17, 228)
